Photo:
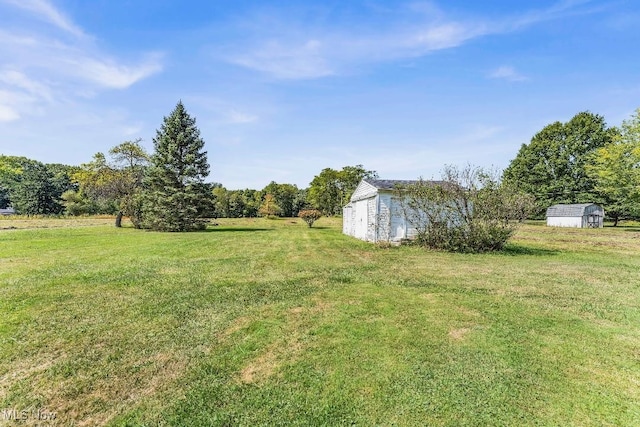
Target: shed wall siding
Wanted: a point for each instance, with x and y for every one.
(398, 224)
(376, 215)
(383, 220)
(371, 219)
(564, 221)
(364, 190)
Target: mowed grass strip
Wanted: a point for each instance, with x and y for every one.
(268, 322)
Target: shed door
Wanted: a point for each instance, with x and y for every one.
(361, 219)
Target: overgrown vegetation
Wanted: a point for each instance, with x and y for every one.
(469, 210)
(266, 322)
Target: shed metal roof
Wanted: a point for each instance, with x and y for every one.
(568, 210)
(392, 184)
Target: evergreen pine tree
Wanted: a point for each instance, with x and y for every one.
(175, 196)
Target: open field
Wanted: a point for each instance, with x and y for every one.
(268, 322)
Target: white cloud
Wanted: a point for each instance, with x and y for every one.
(45, 11)
(286, 49)
(43, 67)
(445, 36)
(7, 114)
(237, 117)
(108, 73)
(508, 73)
(298, 61)
(20, 81)
(132, 130)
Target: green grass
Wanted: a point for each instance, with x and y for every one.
(268, 322)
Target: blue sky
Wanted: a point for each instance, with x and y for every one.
(282, 89)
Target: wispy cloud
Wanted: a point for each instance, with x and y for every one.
(24, 84)
(298, 60)
(508, 73)
(108, 73)
(237, 117)
(7, 114)
(43, 10)
(288, 49)
(47, 66)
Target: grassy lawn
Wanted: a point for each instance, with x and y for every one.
(268, 322)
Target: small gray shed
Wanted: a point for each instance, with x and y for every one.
(582, 215)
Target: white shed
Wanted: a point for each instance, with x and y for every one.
(583, 215)
(375, 213)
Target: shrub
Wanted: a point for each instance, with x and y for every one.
(470, 210)
(310, 216)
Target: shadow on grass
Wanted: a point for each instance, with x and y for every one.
(632, 229)
(515, 250)
(234, 229)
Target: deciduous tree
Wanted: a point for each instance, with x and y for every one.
(552, 167)
(330, 190)
(114, 186)
(269, 207)
(615, 169)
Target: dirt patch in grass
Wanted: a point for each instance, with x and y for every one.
(237, 325)
(459, 333)
(96, 401)
(267, 363)
(34, 223)
(288, 347)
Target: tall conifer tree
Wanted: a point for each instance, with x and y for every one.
(176, 197)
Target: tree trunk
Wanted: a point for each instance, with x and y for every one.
(615, 221)
(119, 219)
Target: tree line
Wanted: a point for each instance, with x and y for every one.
(128, 181)
(582, 161)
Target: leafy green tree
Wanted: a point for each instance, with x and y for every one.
(175, 196)
(552, 167)
(253, 200)
(285, 196)
(220, 200)
(237, 204)
(11, 168)
(616, 171)
(113, 186)
(331, 189)
(300, 202)
(325, 193)
(269, 207)
(75, 204)
(35, 194)
(99, 184)
(131, 161)
(33, 188)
